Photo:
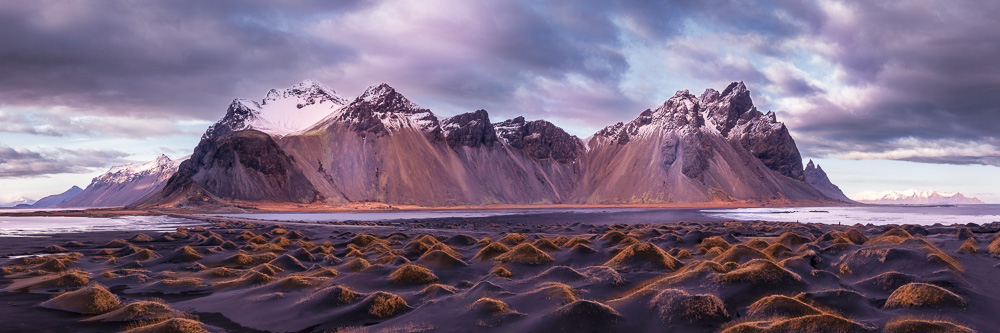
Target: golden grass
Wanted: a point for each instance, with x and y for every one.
(560, 291)
(220, 272)
(184, 282)
(412, 274)
(574, 241)
(893, 236)
(791, 238)
(760, 271)
(252, 260)
(924, 325)
(512, 239)
(994, 247)
(385, 305)
(141, 237)
(490, 305)
(936, 255)
(92, 300)
(293, 282)
(811, 323)
(337, 295)
(437, 289)
(674, 305)
(357, 264)
(780, 306)
(968, 247)
(614, 236)
(145, 310)
(740, 254)
(757, 243)
(582, 249)
(70, 278)
(643, 256)
(546, 245)
(502, 272)
(324, 272)
(173, 325)
(249, 278)
(923, 295)
(525, 253)
(713, 242)
(117, 243)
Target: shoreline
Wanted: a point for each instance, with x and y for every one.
(513, 274)
(263, 207)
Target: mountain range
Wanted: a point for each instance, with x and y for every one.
(914, 197)
(122, 185)
(307, 144)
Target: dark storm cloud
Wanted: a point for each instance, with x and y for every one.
(149, 57)
(24, 163)
(930, 67)
(926, 66)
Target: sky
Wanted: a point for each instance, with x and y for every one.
(885, 95)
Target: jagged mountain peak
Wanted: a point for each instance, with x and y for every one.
(736, 89)
(472, 129)
(539, 138)
(280, 112)
(815, 176)
(382, 110)
(308, 92)
(386, 99)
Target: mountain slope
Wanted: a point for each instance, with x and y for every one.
(690, 149)
(56, 200)
(125, 184)
(281, 112)
(19, 202)
(383, 147)
(816, 177)
(914, 197)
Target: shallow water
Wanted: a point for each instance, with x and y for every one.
(923, 215)
(35, 226)
(421, 214)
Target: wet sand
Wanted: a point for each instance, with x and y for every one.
(524, 273)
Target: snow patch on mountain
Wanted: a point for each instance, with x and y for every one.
(124, 184)
(18, 202)
(913, 197)
(281, 112)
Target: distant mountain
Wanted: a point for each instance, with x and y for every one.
(19, 202)
(914, 197)
(56, 200)
(383, 147)
(124, 184)
(816, 177)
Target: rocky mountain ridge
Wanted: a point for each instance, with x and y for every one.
(816, 177)
(382, 147)
(125, 184)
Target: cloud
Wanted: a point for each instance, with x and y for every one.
(850, 78)
(57, 122)
(24, 163)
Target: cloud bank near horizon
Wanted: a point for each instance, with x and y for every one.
(899, 80)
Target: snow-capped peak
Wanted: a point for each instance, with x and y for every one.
(381, 109)
(912, 196)
(126, 172)
(385, 96)
(281, 112)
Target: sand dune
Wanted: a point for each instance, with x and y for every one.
(455, 276)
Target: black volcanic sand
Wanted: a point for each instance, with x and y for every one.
(507, 274)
